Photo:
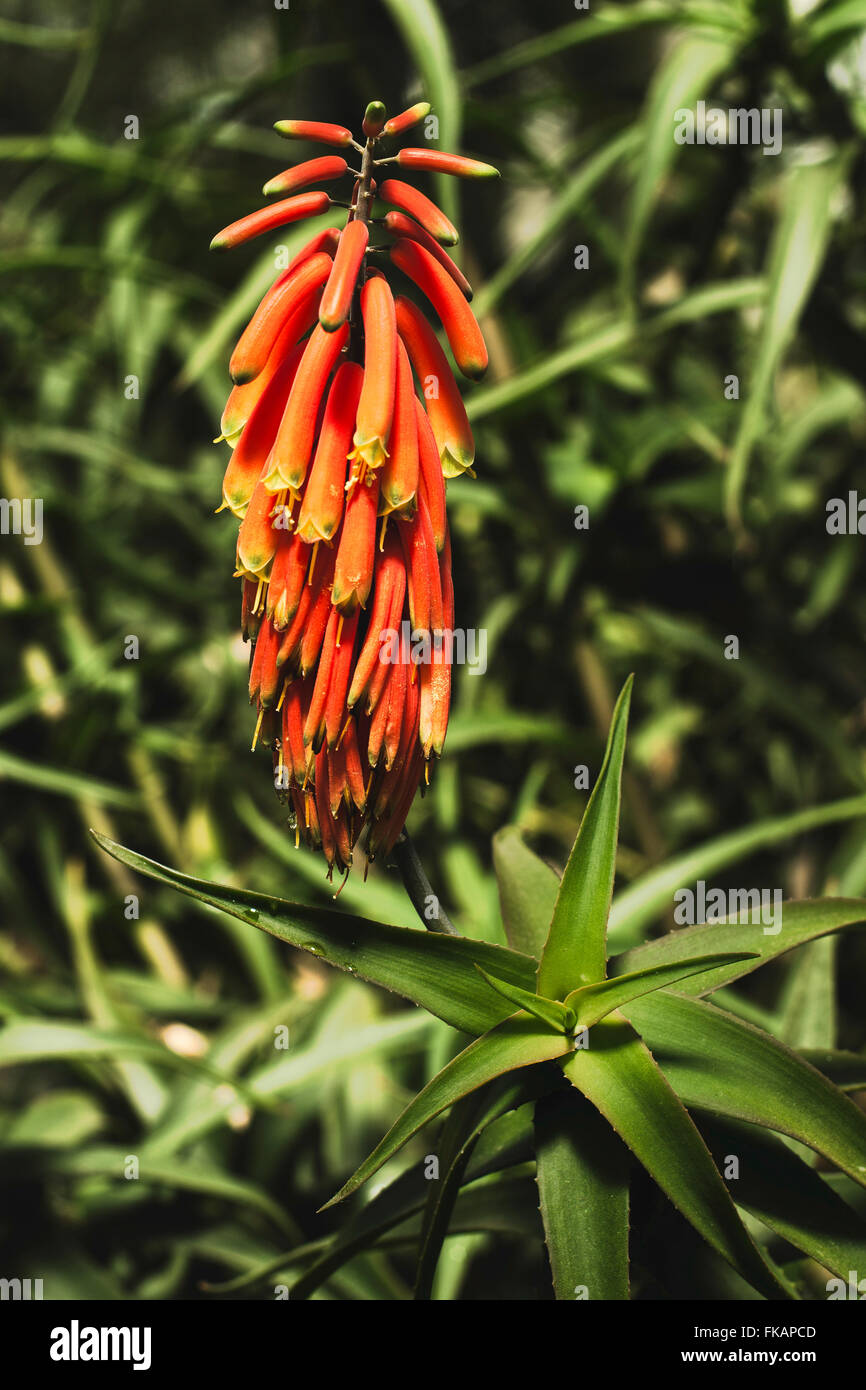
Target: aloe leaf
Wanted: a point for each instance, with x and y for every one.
(619, 1075)
(527, 891)
(520, 1041)
(689, 70)
(582, 1176)
(574, 953)
(801, 922)
(774, 1184)
(847, 1070)
(593, 1002)
(549, 1011)
(798, 250)
(460, 1133)
(720, 1063)
(433, 970)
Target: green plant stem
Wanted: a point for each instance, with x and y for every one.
(425, 902)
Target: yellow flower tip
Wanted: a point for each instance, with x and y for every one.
(456, 462)
(371, 452)
(218, 243)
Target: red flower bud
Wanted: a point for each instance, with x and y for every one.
(376, 406)
(402, 226)
(445, 408)
(407, 119)
(400, 473)
(325, 493)
(321, 132)
(269, 218)
(458, 320)
(321, 170)
(438, 162)
(337, 299)
(286, 302)
(296, 435)
(353, 570)
(408, 199)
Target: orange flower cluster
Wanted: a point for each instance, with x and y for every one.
(332, 444)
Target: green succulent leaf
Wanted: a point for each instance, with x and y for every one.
(582, 1174)
(433, 970)
(774, 1184)
(574, 953)
(801, 922)
(550, 1011)
(619, 1075)
(527, 891)
(591, 1003)
(520, 1041)
(722, 1064)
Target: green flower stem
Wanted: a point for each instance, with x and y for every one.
(425, 902)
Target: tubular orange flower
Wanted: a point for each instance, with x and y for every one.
(376, 406)
(343, 277)
(320, 132)
(254, 446)
(423, 209)
(321, 170)
(324, 495)
(285, 306)
(353, 571)
(406, 119)
(400, 473)
(266, 219)
(458, 320)
(352, 709)
(296, 435)
(438, 162)
(445, 409)
(402, 226)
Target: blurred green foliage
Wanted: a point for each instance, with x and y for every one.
(606, 389)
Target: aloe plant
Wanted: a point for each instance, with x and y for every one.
(590, 1067)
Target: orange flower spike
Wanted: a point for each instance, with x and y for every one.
(398, 687)
(432, 481)
(293, 446)
(384, 615)
(337, 299)
(294, 752)
(407, 119)
(458, 320)
(251, 453)
(311, 595)
(438, 162)
(287, 302)
(327, 825)
(336, 712)
(321, 170)
(445, 408)
(268, 219)
(263, 668)
(425, 586)
(423, 209)
(355, 782)
(399, 225)
(338, 791)
(314, 724)
(320, 132)
(379, 722)
(325, 492)
(400, 473)
(356, 552)
(376, 406)
(288, 577)
(257, 538)
(317, 619)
